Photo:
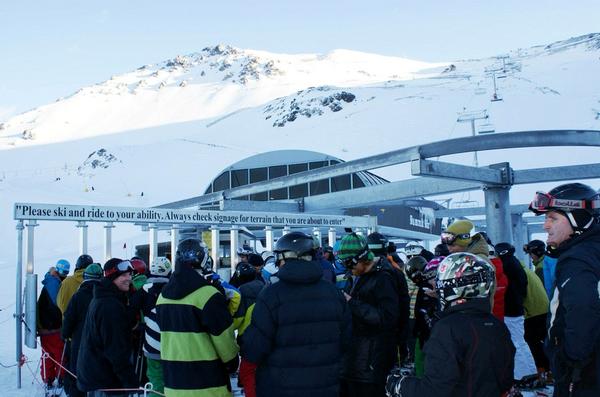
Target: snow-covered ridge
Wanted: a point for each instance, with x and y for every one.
(204, 85)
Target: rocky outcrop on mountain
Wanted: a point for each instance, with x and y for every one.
(100, 158)
(307, 103)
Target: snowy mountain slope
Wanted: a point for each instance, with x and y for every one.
(167, 130)
(200, 86)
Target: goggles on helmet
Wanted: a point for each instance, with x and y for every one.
(122, 267)
(449, 238)
(544, 202)
(351, 262)
(413, 250)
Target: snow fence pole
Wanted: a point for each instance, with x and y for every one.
(19, 304)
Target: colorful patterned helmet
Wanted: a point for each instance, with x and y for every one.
(160, 266)
(430, 271)
(464, 276)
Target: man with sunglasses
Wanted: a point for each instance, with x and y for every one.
(571, 212)
(373, 297)
(104, 353)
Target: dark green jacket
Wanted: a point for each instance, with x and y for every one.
(198, 346)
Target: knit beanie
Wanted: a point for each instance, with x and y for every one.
(461, 229)
(255, 260)
(92, 272)
(352, 246)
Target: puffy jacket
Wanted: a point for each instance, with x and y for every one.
(75, 315)
(469, 354)
(149, 295)
(49, 317)
(374, 306)
(249, 292)
(105, 349)
(536, 301)
(517, 286)
(197, 344)
(68, 287)
(299, 329)
(574, 333)
(480, 247)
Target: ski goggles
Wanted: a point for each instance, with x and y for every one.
(351, 262)
(544, 202)
(122, 267)
(449, 238)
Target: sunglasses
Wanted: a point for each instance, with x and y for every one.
(122, 267)
(544, 202)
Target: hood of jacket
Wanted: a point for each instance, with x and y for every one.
(478, 246)
(183, 282)
(475, 305)
(52, 284)
(300, 272)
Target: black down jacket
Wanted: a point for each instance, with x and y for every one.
(574, 344)
(375, 311)
(105, 349)
(299, 329)
(469, 354)
(75, 317)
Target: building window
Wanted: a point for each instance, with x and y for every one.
(319, 187)
(258, 175)
(278, 194)
(295, 168)
(298, 191)
(339, 183)
(221, 182)
(239, 177)
(317, 164)
(357, 182)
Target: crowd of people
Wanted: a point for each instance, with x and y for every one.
(468, 319)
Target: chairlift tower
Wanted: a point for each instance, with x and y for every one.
(495, 97)
(470, 117)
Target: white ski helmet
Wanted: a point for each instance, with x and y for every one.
(160, 266)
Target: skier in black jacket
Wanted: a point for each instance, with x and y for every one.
(469, 352)
(300, 326)
(574, 335)
(75, 319)
(103, 360)
(373, 298)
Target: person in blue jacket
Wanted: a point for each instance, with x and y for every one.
(573, 345)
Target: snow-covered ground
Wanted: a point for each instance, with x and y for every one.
(167, 130)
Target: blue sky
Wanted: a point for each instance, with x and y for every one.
(49, 49)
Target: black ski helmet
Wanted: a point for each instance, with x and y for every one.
(535, 247)
(415, 268)
(192, 252)
(578, 202)
(295, 245)
(245, 272)
(83, 261)
(377, 243)
(504, 249)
